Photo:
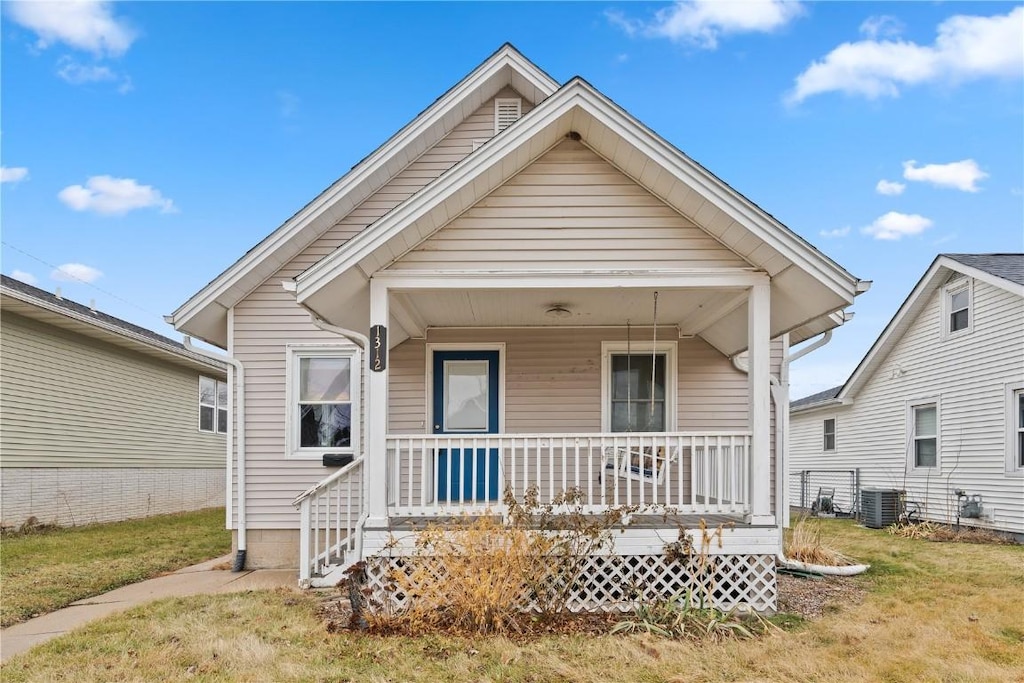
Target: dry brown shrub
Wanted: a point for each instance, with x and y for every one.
(495, 576)
(934, 531)
(804, 544)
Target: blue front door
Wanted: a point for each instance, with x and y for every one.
(466, 404)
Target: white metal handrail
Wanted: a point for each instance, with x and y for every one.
(690, 472)
(330, 514)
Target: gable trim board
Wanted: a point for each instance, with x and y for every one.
(577, 111)
(933, 280)
(204, 315)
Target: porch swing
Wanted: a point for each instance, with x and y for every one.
(638, 462)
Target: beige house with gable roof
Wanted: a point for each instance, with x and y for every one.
(523, 287)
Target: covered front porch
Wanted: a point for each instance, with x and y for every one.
(517, 402)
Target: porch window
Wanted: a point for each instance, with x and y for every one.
(830, 434)
(322, 401)
(639, 388)
(213, 405)
(924, 435)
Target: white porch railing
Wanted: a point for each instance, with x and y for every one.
(329, 533)
(690, 472)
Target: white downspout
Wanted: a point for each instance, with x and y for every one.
(239, 373)
(780, 398)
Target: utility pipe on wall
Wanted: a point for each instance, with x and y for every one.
(239, 563)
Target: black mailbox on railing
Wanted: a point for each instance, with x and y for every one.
(337, 460)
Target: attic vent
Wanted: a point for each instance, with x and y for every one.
(506, 112)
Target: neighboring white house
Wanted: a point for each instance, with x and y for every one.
(937, 404)
(102, 420)
(523, 287)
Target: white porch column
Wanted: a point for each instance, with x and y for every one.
(375, 467)
(759, 390)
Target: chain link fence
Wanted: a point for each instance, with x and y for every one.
(830, 492)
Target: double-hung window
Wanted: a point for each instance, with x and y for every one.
(322, 400)
(924, 435)
(213, 405)
(1015, 428)
(957, 306)
(640, 386)
(829, 434)
(1018, 405)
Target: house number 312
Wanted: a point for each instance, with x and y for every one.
(378, 348)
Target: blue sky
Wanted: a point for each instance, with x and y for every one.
(146, 146)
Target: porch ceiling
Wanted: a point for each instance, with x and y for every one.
(529, 308)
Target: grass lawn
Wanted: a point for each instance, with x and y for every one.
(932, 612)
(47, 570)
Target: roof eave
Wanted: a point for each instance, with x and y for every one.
(506, 56)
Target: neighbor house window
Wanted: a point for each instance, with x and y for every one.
(957, 304)
(1015, 428)
(639, 388)
(924, 432)
(830, 434)
(213, 405)
(322, 401)
(1019, 419)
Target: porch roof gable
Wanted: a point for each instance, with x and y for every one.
(578, 111)
(204, 315)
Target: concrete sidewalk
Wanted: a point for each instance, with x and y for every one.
(195, 580)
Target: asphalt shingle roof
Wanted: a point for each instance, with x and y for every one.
(75, 307)
(819, 397)
(1007, 266)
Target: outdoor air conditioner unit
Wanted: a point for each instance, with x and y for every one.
(879, 507)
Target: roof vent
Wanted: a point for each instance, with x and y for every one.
(56, 293)
(507, 111)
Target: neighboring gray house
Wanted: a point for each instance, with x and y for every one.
(523, 287)
(102, 420)
(937, 404)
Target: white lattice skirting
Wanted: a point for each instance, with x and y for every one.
(618, 582)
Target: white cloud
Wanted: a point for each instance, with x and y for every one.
(959, 175)
(288, 104)
(76, 73)
(895, 225)
(75, 272)
(838, 232)
(13, 174)
(890, 188)
(966, 48)
(881, 26)
(81, 24)
(703, 22)
(27, 278)
(113, 196)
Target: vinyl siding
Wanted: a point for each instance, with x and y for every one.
(570, 209)
(967, 376)
(268, 319)
(71, 401)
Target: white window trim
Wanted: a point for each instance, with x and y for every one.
(951, 288)
(216, 406)
(428, 424)
(911, 440)
(835, 434)
(498, 101)
(293, 353)
(670, 349)
(1013, 468)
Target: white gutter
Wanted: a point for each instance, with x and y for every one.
(239, 373)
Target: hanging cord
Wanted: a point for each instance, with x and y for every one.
(629, 381)
(654, 362)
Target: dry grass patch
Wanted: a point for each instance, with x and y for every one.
(50, 568)
(931, 612)
(804, 543)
